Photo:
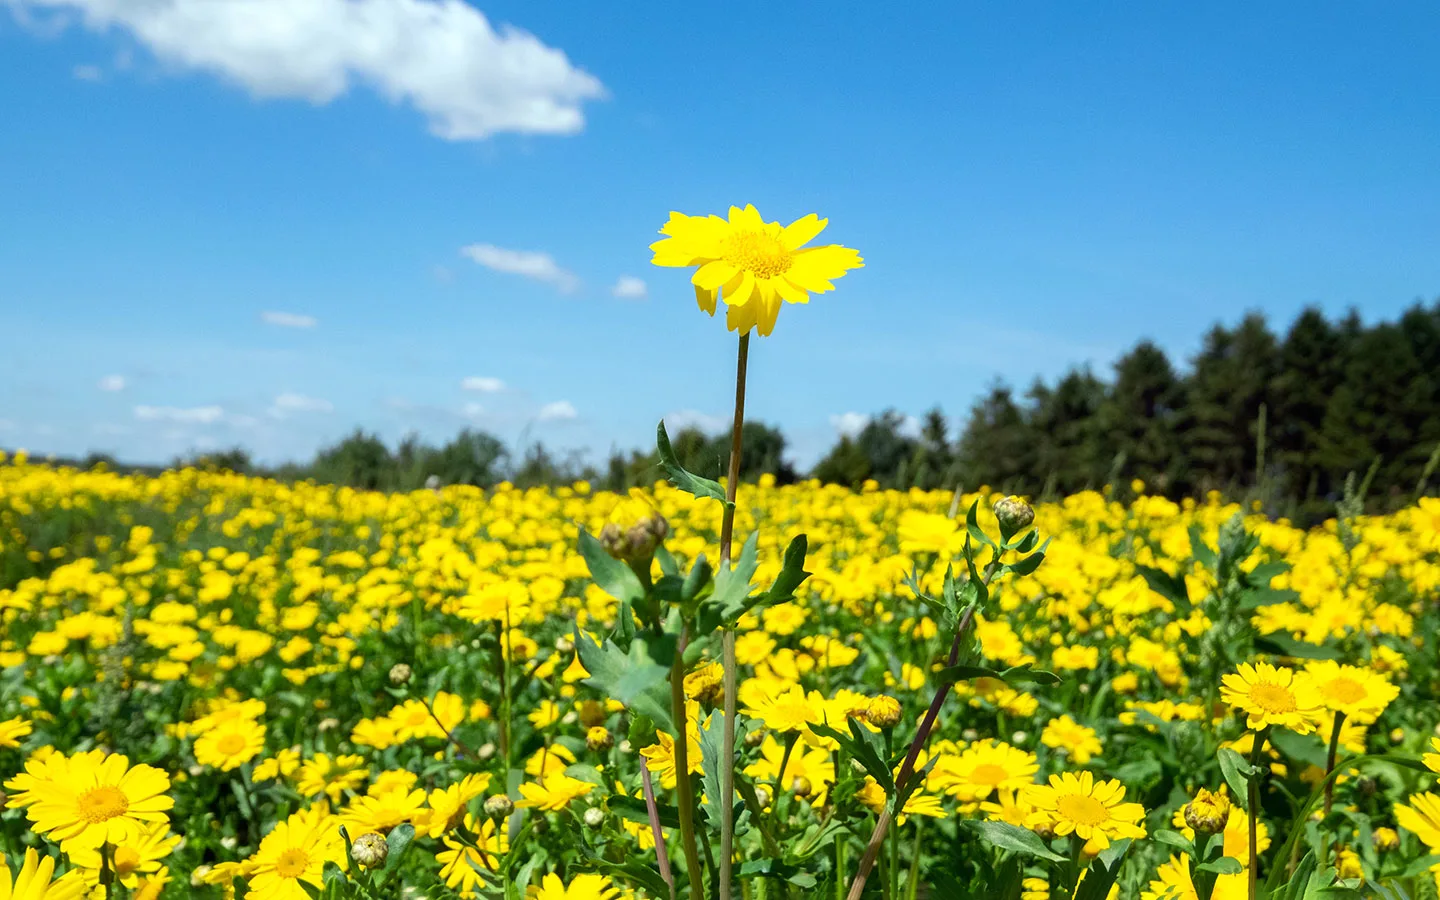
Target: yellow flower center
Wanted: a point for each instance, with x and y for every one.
(1272, 698)
(292, 863)
(1345, 690)
(989, 773)
(760, 254)
(230, 744)
(127, 860)
(102, 804)
(1082, 809)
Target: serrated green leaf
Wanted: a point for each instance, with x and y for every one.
(633, 809)
(1015, 839)
(1171, 587)
(685, 481)
(863, 746)
(1028, 564)
(1285, 645)
(711, 739)
(613, 576)
(1174, 839)
(633, 678)
(1102, 872)
(397, 844)
(972, 525)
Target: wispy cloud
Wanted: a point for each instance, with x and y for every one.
(288, 320)
(112, 383)
(195, 415)
(690, 418)
(443, 57)
(849, 424)
(291, 404)
(482, 384)
(559, 411)
(88, 73)
(630, 288)
(527, 263)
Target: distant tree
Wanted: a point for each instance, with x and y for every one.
(472, 457)
(998, 447)
(1140, 416)
(1070, 449)
(361, 460)
(934, 461)
(235, 459)
(846, 464)
(1228, 383)
(1311, 368)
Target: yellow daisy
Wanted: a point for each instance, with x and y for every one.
(1271, 695)
(1079, 741)
(553, 792)
(1432, 760)
(462, 863)
(981, 769)
(581, 887)
(1360, 694)
(1078, 804)
(331, 776)
(296, 851)
(751, 264)
(131, 859)
(230, 744)
(1422, 817)
(90, 799)
(382, 811)
(12, 730)
(33, 881)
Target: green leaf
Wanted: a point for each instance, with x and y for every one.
(685, 481)
(695, 582)
(585, 772)
(1266, 596)
(1237, 774)
(1200, 550)
(1285, 645)
(1421, 865)
(634, 678)
(397, 844)
(1022, 674)
(1014, 838)
(1103, 871)
(792, 573)
(633, 871)
(614, 577)
(863, 745)
(668, 566)
(1171, 587)
(1225, 865)
(1263, 574)
(972, 525)
(712, 734)
(1029, 564)
(732, 599)
(1307, 749)
(1174, 839)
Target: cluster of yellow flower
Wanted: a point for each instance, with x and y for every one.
(288, 659)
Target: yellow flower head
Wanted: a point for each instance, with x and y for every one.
(91, 798)
(554, 792)
(1360, 694)
(752, 264)
(230, 744)
(296, 851)
(983, 768)
(1422, 818)
(1096, 811)
(1271, 695)
(586, 886)
(33, 881)
(1079, 741)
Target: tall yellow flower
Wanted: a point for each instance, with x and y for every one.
(981, 769)
(132, 859)
(554, 792)
(1096, 811)
(90, 799)
(1422, 817)
(1360, 694)
(581, 887)
(1271, 695)
(230, 744)
(462, 862)
(296, 851)
(752, 264)
(33, 882)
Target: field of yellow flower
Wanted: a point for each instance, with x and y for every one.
(213, 684)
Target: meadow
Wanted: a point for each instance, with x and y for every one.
(214, 685)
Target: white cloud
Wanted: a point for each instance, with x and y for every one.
(88, 73)
(112, 383)
(200, 415)
(442, 57)
(559, 411)
(629, 288)
(910, 427)
(472, 410)
(286, 404)
(531, 264)
(849, 424)
(288, 320)
(482, 384)
(690, 418)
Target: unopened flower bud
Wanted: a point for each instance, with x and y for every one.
(498, 806)
(1385, 839)
(197, 875)
(755, 738)
(399, 674)
(369, 850)
(592, 713)
(800, 786)
(564, 645)
(594, 817)
(1046, 830)
(1014, 515)
(612, 540)
(1208, 812)
(762, 794)
(485, 750)
(857, 766)
(599, 739)
(1366, 785)
(883, 712)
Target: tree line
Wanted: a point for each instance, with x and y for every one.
(1284, 418)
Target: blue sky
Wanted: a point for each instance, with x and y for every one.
(247, 223)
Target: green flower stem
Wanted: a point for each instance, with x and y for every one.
(502, 638)
(912, 889)
(727, 640)
(1330, 758)
(684, 788)
(1252, 790)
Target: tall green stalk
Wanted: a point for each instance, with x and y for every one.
(684, 787)
(730, 682)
